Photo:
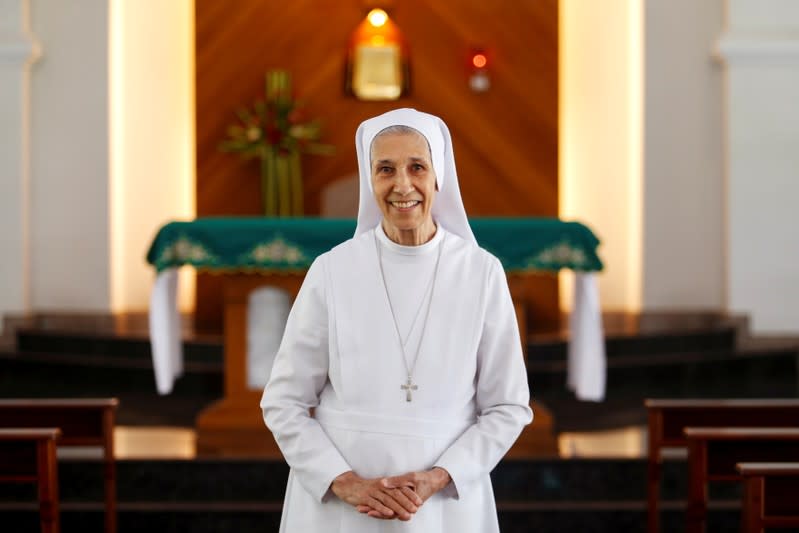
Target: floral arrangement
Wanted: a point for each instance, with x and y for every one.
(276, 130)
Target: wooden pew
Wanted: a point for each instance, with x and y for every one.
(713, 453)
(771, 496)
(83, 422)
(668, 418)
(28, 456)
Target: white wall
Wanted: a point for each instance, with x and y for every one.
(101, 181)
(769, 17)
(18, 49)
(683, 235)
(69, 147)
(761, 50)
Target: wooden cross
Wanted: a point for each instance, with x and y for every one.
(408, 387)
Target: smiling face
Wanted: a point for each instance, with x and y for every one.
(404, 186)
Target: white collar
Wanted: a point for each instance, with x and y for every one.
(402, 249)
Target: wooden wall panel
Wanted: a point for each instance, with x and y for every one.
(505, 140)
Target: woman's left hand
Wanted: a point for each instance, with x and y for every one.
(424, 484)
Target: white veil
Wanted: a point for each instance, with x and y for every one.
(448, 206)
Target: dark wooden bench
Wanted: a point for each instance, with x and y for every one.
(83, 422)
(771, 496)
(668, 418)
(28, 456)
(714, 452)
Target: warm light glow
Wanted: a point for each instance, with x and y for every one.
(626, 442)
(601, 139)
(151, 139)
(116, 96)
(479, 60)
(154, 442)
(376, 59)
(635, 160)
(377, 17)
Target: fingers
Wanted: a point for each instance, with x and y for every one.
(397, 502)
(412, 485)
(378, 506)
(405, 480)
(406, 499)
(365, 509)
(375, 499)
(411, 495)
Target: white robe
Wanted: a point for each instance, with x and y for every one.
(340, 355)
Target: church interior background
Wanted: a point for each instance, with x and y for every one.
(668, 128)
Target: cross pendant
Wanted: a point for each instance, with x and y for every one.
(408, 387)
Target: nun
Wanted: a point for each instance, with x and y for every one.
(399, 383)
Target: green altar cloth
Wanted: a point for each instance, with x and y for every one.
(227, 244)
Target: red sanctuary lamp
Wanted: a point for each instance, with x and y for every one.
(377, 60)
(479, 81)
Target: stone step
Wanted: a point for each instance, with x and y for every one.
(753, 373)
(265, 518)
(206, 351)
(121, 347)
(575, 481)
(246, 495)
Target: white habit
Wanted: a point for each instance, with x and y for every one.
(340, 355)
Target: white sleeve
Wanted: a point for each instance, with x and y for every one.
(502, 393)
(299, 374)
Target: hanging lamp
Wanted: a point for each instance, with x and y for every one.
(377, 59)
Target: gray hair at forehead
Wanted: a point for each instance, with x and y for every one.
(398, 129)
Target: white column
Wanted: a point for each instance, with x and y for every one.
(683, 185)
(112, 139)
(69, 158)
(18, 50)
(761, 51)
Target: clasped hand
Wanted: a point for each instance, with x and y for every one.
(391, 497)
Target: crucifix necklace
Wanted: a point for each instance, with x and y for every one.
(409, 385)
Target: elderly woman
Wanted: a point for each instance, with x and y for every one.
(404, 343)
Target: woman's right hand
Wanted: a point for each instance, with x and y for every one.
(390, 502)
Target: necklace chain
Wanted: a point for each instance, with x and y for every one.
(409, 386)
(427, 291)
